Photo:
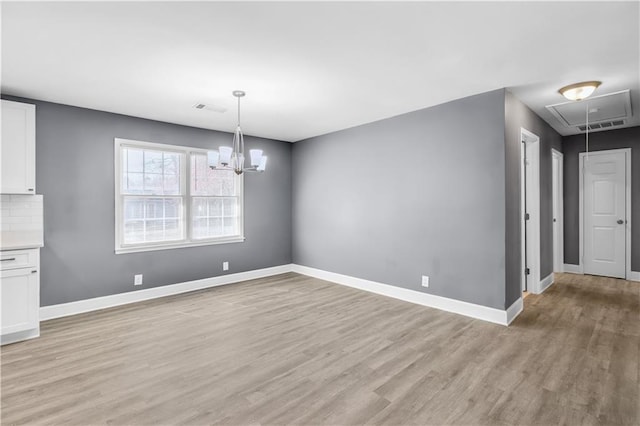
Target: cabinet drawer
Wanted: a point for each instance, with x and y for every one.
(18, 259)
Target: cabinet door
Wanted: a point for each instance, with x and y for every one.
(18, 148)
(19, 300)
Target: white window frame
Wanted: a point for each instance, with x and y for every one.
(185, 186)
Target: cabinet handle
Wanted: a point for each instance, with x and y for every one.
(30, 189)
(7, 259)
(33, 272)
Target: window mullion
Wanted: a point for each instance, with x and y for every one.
(144, 219)
(185, 187)
(208, 214)
(164, 217)
(222, 214)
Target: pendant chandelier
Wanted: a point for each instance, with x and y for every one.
(232, 158)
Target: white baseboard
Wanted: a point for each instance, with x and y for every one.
(546, 282)
(472, 310)
(514, 310)
(19, 336)
(484, 313)
(88, 305)
(572, 269)
(577, 269)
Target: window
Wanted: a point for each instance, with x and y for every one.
(168, 197)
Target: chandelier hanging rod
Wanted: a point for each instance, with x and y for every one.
(232, 158)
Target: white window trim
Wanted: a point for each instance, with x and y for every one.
(185, 173)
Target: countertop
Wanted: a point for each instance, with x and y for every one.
(16, 240)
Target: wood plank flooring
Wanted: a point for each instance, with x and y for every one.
(296, 350)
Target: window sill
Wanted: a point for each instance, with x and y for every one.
(182, 244)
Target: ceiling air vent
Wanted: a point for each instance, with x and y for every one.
(605, 125)
(605, 111)
(213, 108)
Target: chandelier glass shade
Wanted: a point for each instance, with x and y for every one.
(233, 158)
(579, 91)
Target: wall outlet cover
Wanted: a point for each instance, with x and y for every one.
(225, 266)
(137, 279)
(425, 281)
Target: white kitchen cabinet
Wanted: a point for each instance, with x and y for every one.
(18, 148)
(19, 295)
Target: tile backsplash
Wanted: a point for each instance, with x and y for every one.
(21, 213)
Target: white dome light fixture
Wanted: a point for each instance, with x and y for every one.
(579, 91)
(227, 158)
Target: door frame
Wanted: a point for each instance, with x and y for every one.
(528, 138)
(559, 190)
(627, 184)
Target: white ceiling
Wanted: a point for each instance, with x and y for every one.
(312, 68)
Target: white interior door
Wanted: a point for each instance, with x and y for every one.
(604, 210)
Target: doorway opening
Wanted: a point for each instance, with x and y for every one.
(530, 208)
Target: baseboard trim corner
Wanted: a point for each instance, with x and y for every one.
(635, 276)
(472, 310)
(514, 310)
(546, 282)
(97, 303)
(19, 336)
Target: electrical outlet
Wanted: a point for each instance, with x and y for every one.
(137, 279)
(425, 281)
(225, 266)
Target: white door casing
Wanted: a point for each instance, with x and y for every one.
(530, 204)
(604, 212)
(558, 210)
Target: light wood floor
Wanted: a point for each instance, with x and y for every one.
(296, 350)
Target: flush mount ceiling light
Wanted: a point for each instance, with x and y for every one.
(233, 157)
(579, 91)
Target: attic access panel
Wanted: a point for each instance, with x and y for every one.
(605, 108)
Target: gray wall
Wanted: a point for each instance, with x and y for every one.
(444, 204)
(518, 115)
(74, 163)
(598, 141)
(421, 193)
